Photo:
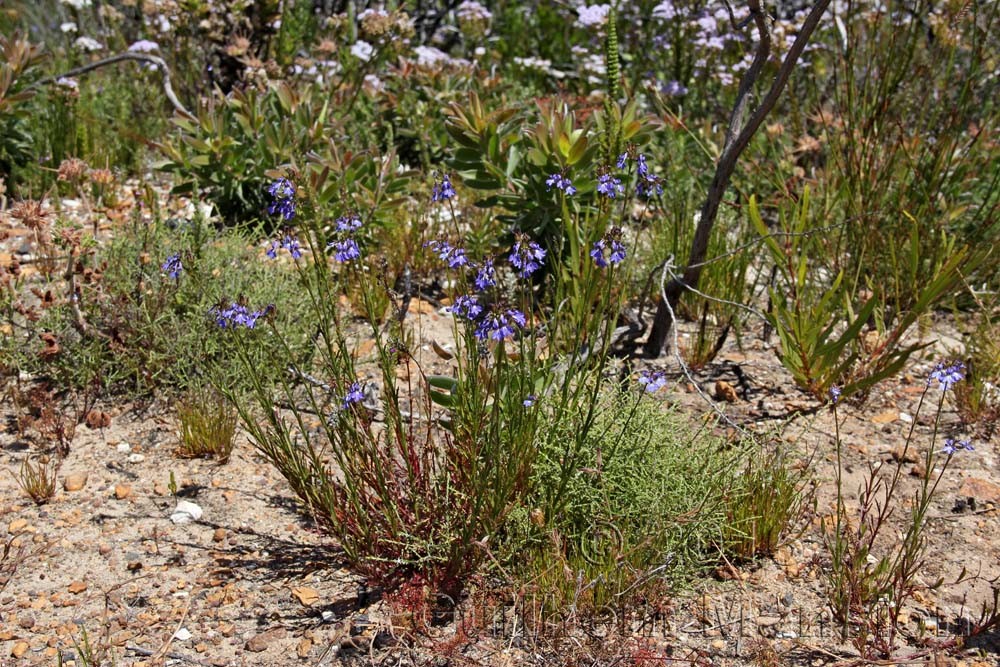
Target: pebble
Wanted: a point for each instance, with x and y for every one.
(123, 491)
(124, 448)
(17, 525)
(260, 642)
(19, 649)
(75, 481)
(219, 535)
(185, 512)
(136, 458)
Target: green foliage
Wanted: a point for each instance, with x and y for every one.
(768, 500)
(207, 424)
(38, 479)
(142, 330)
(18, 61)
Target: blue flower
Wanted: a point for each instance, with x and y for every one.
(500, 323)
(173, 266)
(653, 381)
(649, 186)
(345, 251)
(237, 315)
(526, 257)
(287, 242)
(348, 223)
(455, 257)
(951, 446)
(529, 400)
(283, 192)
(443, 189)
(486, 276)
(355, 394)
(622, 160)
(947, 376)
(610, 186)
(281, 189)
(835, 394)
(610, 249)
(642, 169)
(467, 306)
(560, 182)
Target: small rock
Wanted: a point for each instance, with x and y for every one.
(136, 458)
(903, 417)
(75, 481)
(260, 642)
(185, 512)
(219, 535)
(767, 621)
(718, 646)
(17, 525)
(182, 634)
(77, 587)
(19, 649)
(104, 548)
(980, 490)
(303, 648)
(725, 392)
(903, 454)
(124, 448)
(160, 489)
(123, 491)
(26, 622)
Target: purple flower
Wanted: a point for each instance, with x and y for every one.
(649, 186)
(835, 394)
(499, 324)
(486, 277)
(443, 189)
(467, 306)
(455, 257)
(951, 446)
(287, 242)
(526, 256)
(610, 249)
(674, 89)
(642, 169)
(529, 400)
(348, 223)
(173, 266)
(610, 186)
(283, 192)
(622, 160)
(560, 182)
(281, 189)
(947, 376)
(355, 394)
(345, 251)
(237, 315)
(653, 381)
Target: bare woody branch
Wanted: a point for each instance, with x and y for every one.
(168, 89)
(738, 136)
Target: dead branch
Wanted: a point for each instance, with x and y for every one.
(738, 136)
(168, 89)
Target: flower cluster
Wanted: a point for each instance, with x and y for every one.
(486, 276)
(610, 186)
(173, 266)
(283, 193)
(355, 394)
(454, 257)
(499, 323)
(835, 393)
(952, 446)
(237, 315)
(560, 182)
(653, 381)
(609, 249)
(947, 376)
(287, 242)
(649, 184)
(442, 190)
(345, 249)
(526, 256)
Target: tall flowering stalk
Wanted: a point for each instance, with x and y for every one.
(868, 589)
